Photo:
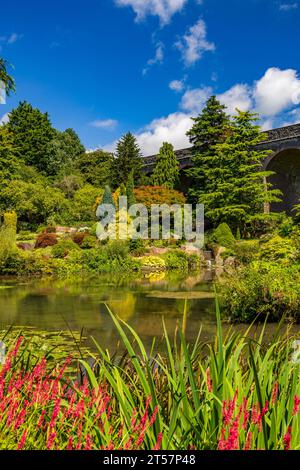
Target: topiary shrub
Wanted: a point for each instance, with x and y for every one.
(223, 236)
(63, 248)
(45, 239)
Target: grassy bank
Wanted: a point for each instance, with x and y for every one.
(234, 394)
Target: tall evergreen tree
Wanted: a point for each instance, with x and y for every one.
(236, 189)
(128, 159)
(107, 197)
(166, 171)
(31, 131)
(210, 128)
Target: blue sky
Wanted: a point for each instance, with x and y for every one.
(105, 67)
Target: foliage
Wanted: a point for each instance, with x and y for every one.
(279, 249)
(88, 242)
(116, 249)
(84, 203)
(41, 408)
(32, 131)
(166, 171)
(130, 190)
(234, 394)
(45, 239)
(78, 237)
(177, 259)
(107, 197)
(95, 167)
(69, 184)
(262, 290)
(246, 250)
(7, 237)
(209, 129)
(62, 152)
(149, 195)
(128, 159)
(223, 236)
(153, 262)
(137, 247)
(33, 202)
(6, 78)
(236, 188)
(63, 248)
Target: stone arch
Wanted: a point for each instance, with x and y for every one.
(286, 165)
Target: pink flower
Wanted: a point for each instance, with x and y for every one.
(287, 439)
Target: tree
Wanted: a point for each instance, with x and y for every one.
(210, 128)
(166, 171)
(62, 152)
(95, 167)
(236, 186)
(107, 197)
(6, 79)
(32, 132)
(128, 159)
(130, 190)
(10, 166)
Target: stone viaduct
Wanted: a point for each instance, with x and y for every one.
(284, 161)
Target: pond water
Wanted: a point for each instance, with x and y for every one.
(143, 301)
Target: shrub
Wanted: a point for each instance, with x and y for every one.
(279, 249)
(45, 239)
(153, 262)
(176, 259)
(116, 249)
(88, 242)
(137, 247)
(63, 248)
(78, 237)
(262, 290)
(223, 236)
(148, 195)
(246, 250)
(50, 229)
(8, 236)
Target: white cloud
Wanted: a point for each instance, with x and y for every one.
(157, 59)
(194, 100)
(288, 6)
(171, 129)
(276, 91)
(177, 85)
(237, 97)
(14, 37)
(104, 123)
(194, 43)
(164, 9)
(4, 119)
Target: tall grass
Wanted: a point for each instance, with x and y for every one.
(237, 393)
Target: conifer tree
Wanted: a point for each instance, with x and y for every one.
(210, 128)
(128, 159)
(236, 187)
(166, 171)
(107, 197)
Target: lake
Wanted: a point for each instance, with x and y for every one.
(142, 301)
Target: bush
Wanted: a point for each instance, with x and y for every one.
(88, 242)
(279, 249)
(45, 239)
(63, 248)
(116, 249)
(137, 247)
(177, 260)
(153, 262)
(149, 195)
(262, 290)
(50, 229)
(78, 237)
(246, 250)
(223, 236)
